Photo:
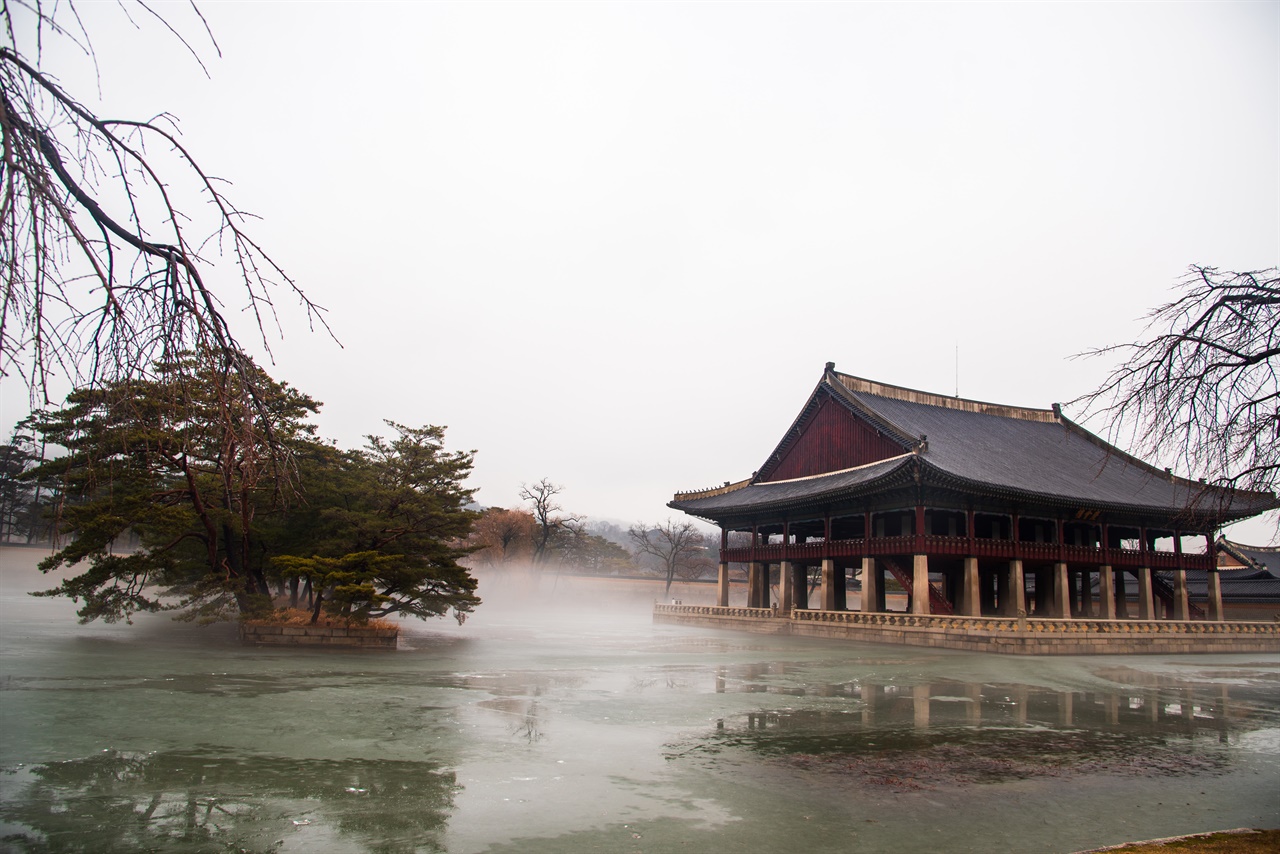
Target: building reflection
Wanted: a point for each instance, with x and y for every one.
(1166, 705)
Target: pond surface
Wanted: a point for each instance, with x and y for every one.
(559, 718)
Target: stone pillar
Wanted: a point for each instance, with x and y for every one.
(786, 587)
(841, 589)
(987, 600)
(1181, 601)
(1146, 601)
(1086, 594)
(722, 586)
(1215, 596)
(970, 590)
(757, 585)
(920, 584)
(829, 600)
(872, 594)
(1061, 592)
(1044, 593)
(1106, 593)
(1013, 591)
(800, 586)
(1122, 596)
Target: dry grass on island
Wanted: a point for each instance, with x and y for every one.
(299, 617)
(1243, 841)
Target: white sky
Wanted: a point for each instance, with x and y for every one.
(614, 244)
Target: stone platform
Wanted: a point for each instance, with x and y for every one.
(356, 637)
(1006, 635)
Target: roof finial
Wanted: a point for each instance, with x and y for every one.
(831, 367)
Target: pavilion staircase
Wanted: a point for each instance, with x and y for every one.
(1164, 591)
(938, 603)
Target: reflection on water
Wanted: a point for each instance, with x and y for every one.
(927, 735)
(191, 801)
(573, 727)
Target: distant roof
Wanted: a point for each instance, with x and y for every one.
(1021, 453)
(1264, 558)
(1238, 585)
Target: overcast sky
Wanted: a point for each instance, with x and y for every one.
(614, 244)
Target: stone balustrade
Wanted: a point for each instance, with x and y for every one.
(1018, 635)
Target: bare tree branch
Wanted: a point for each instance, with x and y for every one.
(103, 223)
(1202, 392)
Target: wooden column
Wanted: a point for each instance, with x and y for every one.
(1106, 593)
(1061, 592)
(1181, 600)
(786, 587)
(872, 589)
(920, 583)
(1215, 596)
(970, 592)
(1146, 601)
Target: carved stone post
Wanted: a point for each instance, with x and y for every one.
(722, 586)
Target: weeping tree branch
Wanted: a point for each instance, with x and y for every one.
(1202, 391)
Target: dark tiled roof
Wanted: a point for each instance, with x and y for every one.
(1048, 458)
(1238, 585)
(1267, 557)
(1022, 452)
(783, 492)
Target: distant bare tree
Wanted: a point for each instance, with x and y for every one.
(547, 517)
(108, 226)
(1203, 391)
(676, 544)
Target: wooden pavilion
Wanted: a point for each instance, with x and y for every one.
(976, 509)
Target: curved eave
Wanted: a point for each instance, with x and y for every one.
(1206, 512)
(836, 487)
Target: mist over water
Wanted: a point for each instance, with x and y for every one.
(559, 718)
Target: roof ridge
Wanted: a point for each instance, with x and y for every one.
(713, 491)
(928, 398)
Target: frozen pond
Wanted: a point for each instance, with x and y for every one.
(565, 721)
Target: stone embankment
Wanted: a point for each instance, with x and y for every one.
(1008, 635)
(355, 637)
